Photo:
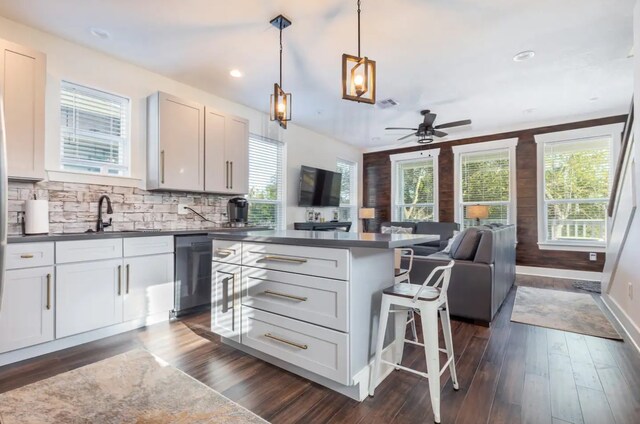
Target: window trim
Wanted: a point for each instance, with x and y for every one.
(504, 144)
(612, 130)
(282, 222)
(354, 192)
(413, 157)
(61, 174)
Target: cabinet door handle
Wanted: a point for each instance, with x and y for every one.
(284, 259)
(27, 256)
(226, 252)
(119, 280)
(288, 296)
(127, 268)
(48, 291)
(231, 174)
(162, 166)
(285, 341)
(226, 177)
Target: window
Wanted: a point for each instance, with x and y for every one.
(348, 210)
(266, 182)
(414, 180)
(94, 131)
(485, 175)
(574, 170)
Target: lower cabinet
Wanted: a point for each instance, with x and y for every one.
(148, 285)
(225, 300)
(26, 316)
(89, 296)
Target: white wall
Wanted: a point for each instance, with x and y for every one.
(72, 62)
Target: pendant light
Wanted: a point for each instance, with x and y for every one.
(280, 101)
(358, 75)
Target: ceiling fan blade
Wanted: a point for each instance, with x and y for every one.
(429, 119)
(454, 124)
(401, 128)
(407, 136)
(439, 133)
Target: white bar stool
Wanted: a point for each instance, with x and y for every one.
(429, 300)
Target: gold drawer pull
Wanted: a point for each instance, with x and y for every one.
(48, 291)
(27, 256)
(278, 339)
(226, 252)
(288, 296)
(284, 259)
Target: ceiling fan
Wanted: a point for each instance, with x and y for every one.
(426, 131)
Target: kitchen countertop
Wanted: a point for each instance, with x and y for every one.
(327, 239)
(123, 234)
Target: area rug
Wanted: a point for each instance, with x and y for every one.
(567, 311)
(134, 387)
(590, 286)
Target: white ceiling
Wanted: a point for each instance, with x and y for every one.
(451, 56)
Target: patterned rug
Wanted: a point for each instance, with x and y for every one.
(134, 387)
(567, 311)
(590, 286)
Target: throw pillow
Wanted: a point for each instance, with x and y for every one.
(465, 247)
(396, 230)
(385, 229)
(447, 249)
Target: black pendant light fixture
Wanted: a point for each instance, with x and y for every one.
(358, 75)
(280, 101)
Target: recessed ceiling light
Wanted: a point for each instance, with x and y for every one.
(235, 73)
(525, 55)
(100, 33)
(593, 99)
(528, 111)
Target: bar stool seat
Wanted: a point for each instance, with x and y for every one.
(410, 290)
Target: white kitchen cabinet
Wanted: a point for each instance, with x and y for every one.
(148, 285)
(89, 296)
(175, 149)
(226, 153)
(22, 85)
(225, 300)
(26, 316)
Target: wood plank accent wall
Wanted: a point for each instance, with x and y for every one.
(377, 191)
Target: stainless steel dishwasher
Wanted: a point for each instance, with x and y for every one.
(193, 274)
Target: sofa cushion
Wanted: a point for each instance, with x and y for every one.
(465, 246)
(421, 250)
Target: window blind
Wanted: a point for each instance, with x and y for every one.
(576, 189)
(266, 189)
(94, 131)
(415, 190)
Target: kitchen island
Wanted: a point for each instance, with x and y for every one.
(306, 301)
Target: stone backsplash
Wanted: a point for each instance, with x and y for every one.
(74, 207)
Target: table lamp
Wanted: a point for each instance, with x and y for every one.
(477, 212)
(365, 214)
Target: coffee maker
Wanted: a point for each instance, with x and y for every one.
(238, 212)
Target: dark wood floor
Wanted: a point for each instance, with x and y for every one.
(509, 373)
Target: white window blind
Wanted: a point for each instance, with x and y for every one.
(266, 182)
(576, 189)
(485, 180)
(415, 190)
(94, 128)
(348, 210)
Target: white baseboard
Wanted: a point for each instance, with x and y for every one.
(631, 330)
(559, 273)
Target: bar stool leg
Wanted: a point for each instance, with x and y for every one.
(400, 332)
(448, 342)
(412, 317)
(429, 316)
(382, 327)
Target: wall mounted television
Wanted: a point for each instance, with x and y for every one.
(319, 187)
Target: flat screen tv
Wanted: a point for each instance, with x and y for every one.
(319, 187)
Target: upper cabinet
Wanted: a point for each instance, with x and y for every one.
(227, 153)
(193, 148)
(22, 85)
(175, 144)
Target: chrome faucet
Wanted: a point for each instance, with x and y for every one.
(102, 224)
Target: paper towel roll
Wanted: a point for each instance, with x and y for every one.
(36, 217)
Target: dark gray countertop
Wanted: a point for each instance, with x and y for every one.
(122, 234)
(328, 239)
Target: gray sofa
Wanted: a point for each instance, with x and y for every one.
(483, 273)
(443, 229)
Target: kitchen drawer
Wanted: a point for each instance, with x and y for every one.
(318, 261)
(29, 255)
(316, 300)
(151, 245)
(88, 250)
(313, 348)
(227, 251)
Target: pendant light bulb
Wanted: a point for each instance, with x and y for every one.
(358, 81)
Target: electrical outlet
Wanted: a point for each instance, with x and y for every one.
(593, 257)
(630, 290)
(182, 209)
